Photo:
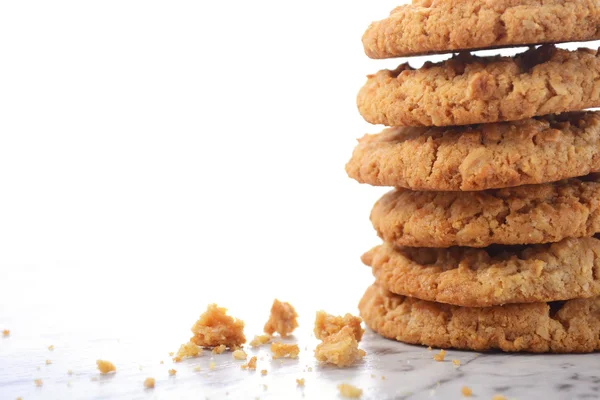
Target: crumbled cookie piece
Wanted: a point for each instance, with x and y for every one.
(149, 383)
(6, 333)
(263, 372)
(259, 340)
(240, 354)
(282, 319)
(187, 350)
(70, 372)
(219, 349)
(349, 391)
(172, 372)
(215, 327)
(94, 379)
(105, 367)
(340, 349)
(51, 347)
(197, 368)
(38, 382)
(498, 397)
(171, 354)
(212, 365)
(309, 369)
(456, 363)
(466, 391)
(326, 325)
(439, 357)
(300, 381)
(280, 350)
(48, 362)
(162, 362)
(251, 364)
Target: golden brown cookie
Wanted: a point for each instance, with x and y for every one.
(471, 90)
(426, 26)
(521, 215)
(564, 327)
(495, 275)
(478, 157)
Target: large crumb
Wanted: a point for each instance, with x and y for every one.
(6, 333)
(466, 391)
(215, 328)
(340, 349)
(498, 397)
(259, 340)
(327, 325)
(280, 350)
(282, 319)
(300, 381)
(187, 350)
(456, 363)
(251, 364)
(240, 354)
(219, 349)
(149, 383)
(349, 391)
(263, 372)
(105, 366)
(172, 372)
(439, 357)
(38, 382)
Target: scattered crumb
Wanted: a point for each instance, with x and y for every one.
(263, 372)
(340, 349)
(439, 357)
(259, 340)
(282, 319)
(38, 367)
(105, 366)
(48, 362)
(220, 349)
(349, 391)
(498, 397)
(196, 368)
(149, 383)
(456, 363)
(6, 333)
(187, 350)
(309, 369)
(265, 387)
(171, 354)
(466, 391)
(327, 325)
(429, 348)
(251, 364)
(373, 376)
(51, 347)
(70, 372)
(19, 398)
(172, 372)
(280, 350)
(300, 381)
(215, 327)
(212, 365)
(383, 377)
(38, 382)
(94, 378)
(162, 362)
(240, 355)
(69, 383)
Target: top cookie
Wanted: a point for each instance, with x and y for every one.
(470, 90)
(427, 26)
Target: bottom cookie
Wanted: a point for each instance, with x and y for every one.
(559, 327)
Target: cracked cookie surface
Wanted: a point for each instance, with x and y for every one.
(521, 215)
(479, 157)
(495, 275)
(564, 327)
(426, 26)
(467, 89)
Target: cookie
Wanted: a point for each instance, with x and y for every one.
(495, 275)
(427, 27)
(478, 157)
(563, 327)
(522, 215)
(470, 90)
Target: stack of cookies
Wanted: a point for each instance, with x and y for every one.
(489, 233)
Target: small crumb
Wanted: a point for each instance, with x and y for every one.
(240, 355)
(251, 364)
(215, 328)
(220, 349)
(382, 377)
(429, 348)
(94, 378)
(211, 365)
(373, 376)
(38, 367)
(48, 362)
(70, 372)
(466, 391)
(105, 366)
(300, 381)
(162, 362)
(259, 340)
(171, 354)
(69, 383)
(196, 368)
(187, 350)
(263, 372)
(140, 368)
(349, 391)
(309, 369)
(172, 372)
(6, 333)
(149, 383)
(282, 319)
(19, 398)
(340, 349)
(498, 397)
(38, 382)
(456, 363)
(439, 357)
(265, 387)
(327, 325)
(280, 350)
(51, 347)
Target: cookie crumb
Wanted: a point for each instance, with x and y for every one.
(94, 379)
(280, 350)
(251, 364)
(456, 363)
(38, 382)
(6, 333)
(309, 369)
(439, 357)
(70, 372)
(212, 365)
(149, 383)
(48, 362)
(263, 372)
(349, 391)
(51, 347)
(383, 377)
(220, 349)
(215, 328)
(265, 387)
(327, 325)
(340, 349)
(259, 340)
(240, 355)
(196, 368)
(466, 391)
(38, 368)
(429, 348)
(162, 362)
(300, 381)
(172, 372)
(282, 319)
(187, 350)
(498, 397)
(105, 367)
